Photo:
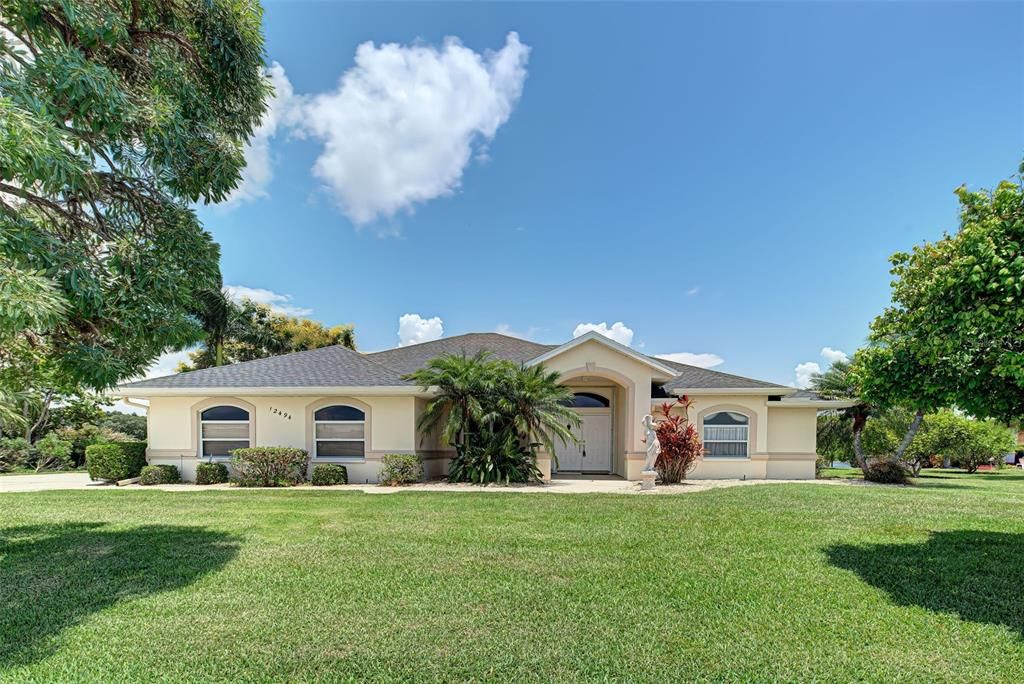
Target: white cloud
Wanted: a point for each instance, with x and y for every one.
(692, 291)
(506, 329)
(413, 329)
(402, 125)
(804, 372)
(832, 355)
(704, 360)
(618, 332)
(258, 170)
(280, 303)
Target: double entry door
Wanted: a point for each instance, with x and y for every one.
(593, 453)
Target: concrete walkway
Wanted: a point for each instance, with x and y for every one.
(573, 485)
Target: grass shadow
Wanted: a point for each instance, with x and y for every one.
(54, 576)
(978, 576)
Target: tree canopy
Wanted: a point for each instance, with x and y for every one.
(247, 330)
(954, 333)
(113, 117)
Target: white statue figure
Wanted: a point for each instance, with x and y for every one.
(653, 446)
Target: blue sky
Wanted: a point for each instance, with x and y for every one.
(723, 179)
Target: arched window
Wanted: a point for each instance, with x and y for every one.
(222, 429)
(588, 400)
(726, 434)
(339, 433)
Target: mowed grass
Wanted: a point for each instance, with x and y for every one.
(797, 582)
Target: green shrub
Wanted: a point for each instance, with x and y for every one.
(400, 469)
(14, 451)
(51, 453)
(326, 474)
(269, 466)
(495, 459)
(86, 435)
(211, 473)
(115, 460)
(159, 474)
(886, 472)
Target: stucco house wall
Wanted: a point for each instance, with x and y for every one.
(281, 421)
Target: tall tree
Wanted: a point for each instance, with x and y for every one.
(954, 333)
(114, 116)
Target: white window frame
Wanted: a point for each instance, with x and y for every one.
(745, 441)
(317, 440)
(248, 432)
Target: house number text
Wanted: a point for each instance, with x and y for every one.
(279, 412)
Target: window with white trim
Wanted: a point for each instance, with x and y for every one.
(339, 433)
(221, 430)
(726, 435)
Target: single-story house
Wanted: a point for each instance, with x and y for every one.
(348, 407)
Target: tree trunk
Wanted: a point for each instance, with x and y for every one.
(915, 425)
(858, 451)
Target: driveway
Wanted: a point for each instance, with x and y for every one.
(49, 481)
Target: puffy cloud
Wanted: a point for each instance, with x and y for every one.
(413, 329)
(705, 360)
(402, 125)
(618, 332)
(280, 303)
(804, 372)
(832, 355)
(258, 170)
(692, 291)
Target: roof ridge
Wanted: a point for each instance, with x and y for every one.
(689, 366)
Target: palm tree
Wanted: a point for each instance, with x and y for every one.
(215, 314)
(537, 406)
(839, 382)
(465, 388)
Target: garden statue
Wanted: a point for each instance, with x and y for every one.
(653, 447)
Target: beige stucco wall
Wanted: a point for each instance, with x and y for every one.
(782, 440)
(281, 421)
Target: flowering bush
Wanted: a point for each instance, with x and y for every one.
(269, 466)
(681, 447)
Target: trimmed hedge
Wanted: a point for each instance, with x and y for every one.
(211, 473)
(269, 466)
(159, 474)
(326, 474)
(400, 469)
(115, 460)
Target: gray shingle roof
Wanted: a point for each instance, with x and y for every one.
(326, 367)
(694, 377)
(413, 357)
(340, 367)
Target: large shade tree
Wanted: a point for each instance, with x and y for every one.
(952, 337)
(115, 115)
(954, 332)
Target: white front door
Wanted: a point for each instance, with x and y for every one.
(596, 448)
(593, 454)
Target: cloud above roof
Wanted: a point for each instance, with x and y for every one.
(413, 329)
(279, 303)
(618, 331)
(703, 360)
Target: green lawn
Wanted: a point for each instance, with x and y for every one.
(782, 582)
